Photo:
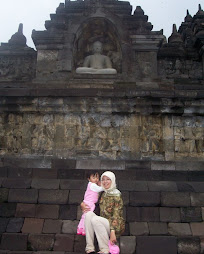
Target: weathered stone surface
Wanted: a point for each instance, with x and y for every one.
(170, 214)
(19, 242)
(17, 183)
(53, 196)
(197, 228)
(25, 210)
(138, 228)
(64, 243)
(79, 244)
(197, 199)
(73, 184)
(3, 195)
(162, 186)
(32, 225)
(159, 165)
(132, 185)
(179, 229)
(7, 209)
(203, 213)
(23, 196)
(175, 199)
(45, 173)
(201, 244)
(191, 214)
(189, 245)
(144, 198)
(69, 227)
(41, 242)
(19, 172)
(52, 184)
(112, 165)
(128, 244)
(3, 172)
(63, 163)
(15, 225)
(3, 224)
(52, 226)
(76, 197)
(68, 212)
(47, 211)
(159, 245)
(88, 164)
(145, 214)
(157, 228)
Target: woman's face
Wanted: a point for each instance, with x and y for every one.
(106, 181)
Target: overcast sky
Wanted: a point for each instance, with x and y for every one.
(33, 13)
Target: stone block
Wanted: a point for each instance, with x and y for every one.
(203, 213)
(17, 183)
(79, 244)
(125, 185)
(1, 180)
(197, 199)
(53, 196)
(52, 226)
(64, 243)
(197, 228)
(25, 210)
(15, 225)
(162, 186)
(175, 199)
(188, 245)
(41, 242)
(191, 214)
(88, 164)
(138, 228)
(3, 224)
(3, 195)
(68, 212)
(156, 244)
(45, 173)
(197, 176)
(170, 214)
(32, 225)
(112, 165)
(189, 165)
(47, 211)
(73, 184)
(162, 165)
(175, 175)
(19, 172)
(144, 165)
(63, 163)
(49, 184)
(76, 197)
(185, 187)
(144, 198)
(197, 186)
(19, 242)
(23, 196)
(178, 229)
(69, 227)
(202, 244)
(71, 174)
(125, 197)
(158, 228)
(7, 209)
(127, 244)
(3, 172)
(145, 214)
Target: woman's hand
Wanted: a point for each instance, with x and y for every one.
(113, 239)
(84, 207)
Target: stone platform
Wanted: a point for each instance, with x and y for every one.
(164, 205)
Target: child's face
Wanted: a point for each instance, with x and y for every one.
(94, 178)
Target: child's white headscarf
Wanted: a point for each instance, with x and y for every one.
(112, 190)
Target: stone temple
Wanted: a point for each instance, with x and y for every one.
(103, 91)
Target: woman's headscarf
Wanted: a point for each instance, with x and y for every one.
(112, 190)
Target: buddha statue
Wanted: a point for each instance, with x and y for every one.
(97, 63)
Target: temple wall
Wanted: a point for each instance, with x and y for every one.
(106, 128)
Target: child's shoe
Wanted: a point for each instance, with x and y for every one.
(114, 249)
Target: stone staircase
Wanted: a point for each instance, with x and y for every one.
(164, 205)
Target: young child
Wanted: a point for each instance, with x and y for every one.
(90, 198)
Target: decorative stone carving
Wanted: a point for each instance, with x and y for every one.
(97, 63)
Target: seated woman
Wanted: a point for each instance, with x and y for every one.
(97, 63)
(110, 224)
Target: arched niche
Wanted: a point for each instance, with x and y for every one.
(98, 29)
